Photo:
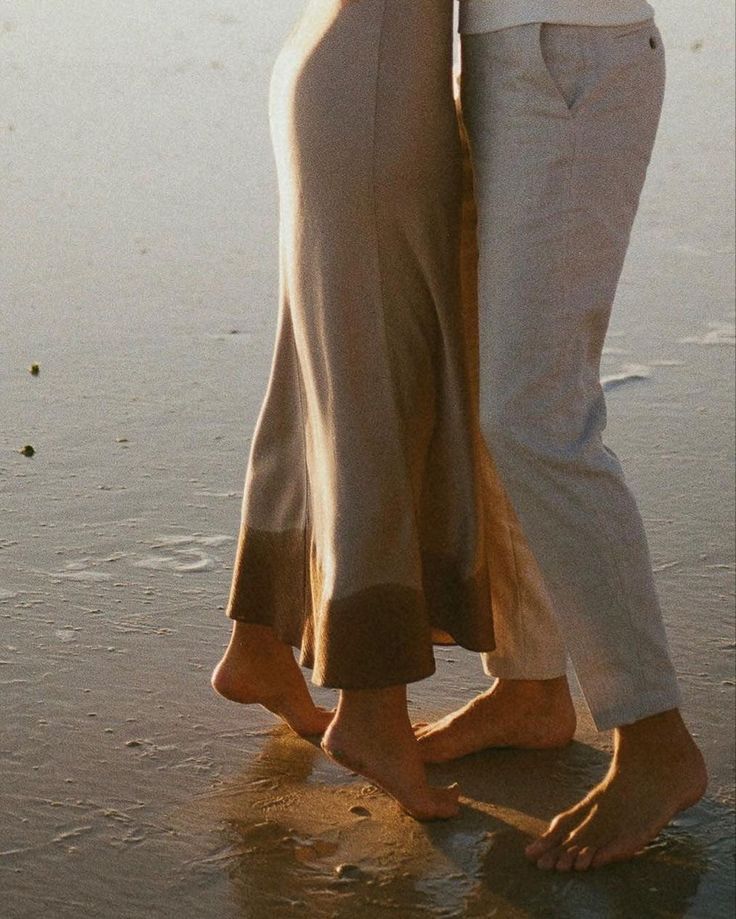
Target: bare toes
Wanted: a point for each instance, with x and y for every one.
(558, 830)
(437, 804)
(567, 858)
(602, 857)
(615, 852)
(585, 858)
(448, 802)
(549, 859)
(535, 850)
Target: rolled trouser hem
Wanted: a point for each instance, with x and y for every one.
(637, 708)
(513, 670)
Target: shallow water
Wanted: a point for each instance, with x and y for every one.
(139, 259)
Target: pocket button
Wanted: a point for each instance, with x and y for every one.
(652, 42)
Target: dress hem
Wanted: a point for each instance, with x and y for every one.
(381, 636)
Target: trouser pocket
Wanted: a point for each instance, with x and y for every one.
(562, 56)
(575, 60)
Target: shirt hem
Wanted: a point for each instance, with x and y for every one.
(493, 15)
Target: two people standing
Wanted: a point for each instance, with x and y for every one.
(428, 465)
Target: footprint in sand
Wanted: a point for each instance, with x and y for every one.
(184, 554)
(82, 570)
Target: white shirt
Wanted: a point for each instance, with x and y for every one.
(490, 15)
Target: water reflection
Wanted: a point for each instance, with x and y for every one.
(295, 831)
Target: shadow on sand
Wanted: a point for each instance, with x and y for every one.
(294, 831)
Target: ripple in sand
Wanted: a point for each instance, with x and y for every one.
(184, 554)
(666, 566)
(217, 494)
(196, 538)
(72, 833)
(182, 560)
(80, 571)
(627, 373)
(7, 594)
(66, 634)
(719, 333)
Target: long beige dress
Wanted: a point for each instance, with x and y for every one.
(371, 523)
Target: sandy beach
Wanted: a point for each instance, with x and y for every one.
(138, 257)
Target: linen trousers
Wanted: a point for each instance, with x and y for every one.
(561, 122)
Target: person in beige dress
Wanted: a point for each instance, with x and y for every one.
(372, 525)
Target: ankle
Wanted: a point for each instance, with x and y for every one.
(545, 691)
(657, 728)
(250, 635)
(665, 734)
(382, 710)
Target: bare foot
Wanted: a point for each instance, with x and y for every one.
(379, 744)
(536, 714)
(657, 771)
(257, 668)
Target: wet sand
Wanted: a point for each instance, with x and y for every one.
(138, 252)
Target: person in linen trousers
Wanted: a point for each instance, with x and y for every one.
(561, 100)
